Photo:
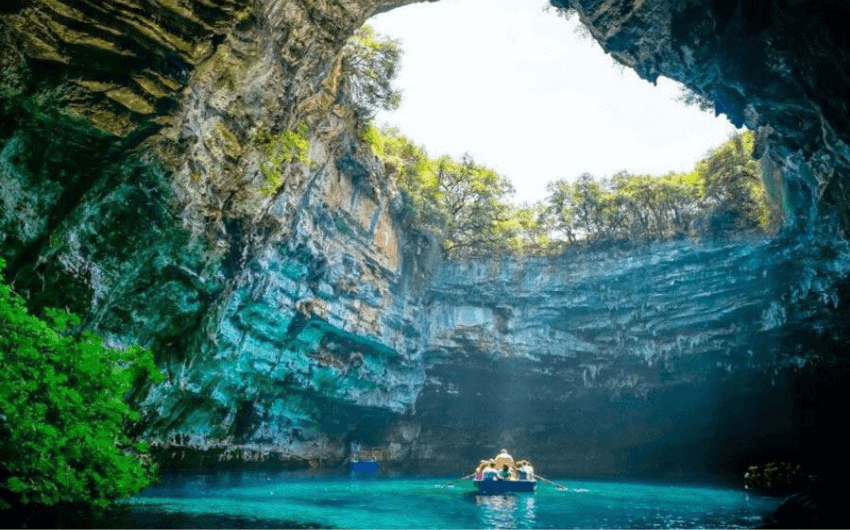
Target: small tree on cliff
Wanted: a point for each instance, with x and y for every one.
(463, 203)
(734, 191)
(369, 65)
(62, 412)
(476, 214)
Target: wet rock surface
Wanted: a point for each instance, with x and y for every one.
(665, 360)
(293, 311)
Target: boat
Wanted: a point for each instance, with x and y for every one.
(369, 467)
(364, 460)
(489, 487)
(515, 477)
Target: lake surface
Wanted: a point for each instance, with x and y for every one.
(268, 500)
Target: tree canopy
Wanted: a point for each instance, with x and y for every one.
(464, 203)
(467, 205)
(369, 65)
(734, 193)
(62, 411)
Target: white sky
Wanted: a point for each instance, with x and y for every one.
(521, 91)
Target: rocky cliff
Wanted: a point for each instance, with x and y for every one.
(150, 180)
(674, 359)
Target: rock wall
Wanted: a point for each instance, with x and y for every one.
(141, 187)
(668, 360)
(294, 312)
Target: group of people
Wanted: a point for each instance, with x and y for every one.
(502, 467)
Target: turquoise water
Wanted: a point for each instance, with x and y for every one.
(264, 500)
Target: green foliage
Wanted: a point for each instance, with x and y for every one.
(529, 230)
(372, 136)
(369, 64)
(466, 204)
(462, 202)
(279, 151)
(723, 195)
(473, 206)
(734, 190)
(413, 172)
(63, 413)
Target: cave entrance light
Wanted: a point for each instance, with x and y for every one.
(524, 92)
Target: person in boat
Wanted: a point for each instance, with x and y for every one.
(522, 473)
(504, 458)
(527, 470)
(490, 472)
(507, 473)
(479, 471)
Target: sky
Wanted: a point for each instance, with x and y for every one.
(523, 92)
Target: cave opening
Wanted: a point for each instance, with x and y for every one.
(526, 90)
(671, 358)
(738, 419)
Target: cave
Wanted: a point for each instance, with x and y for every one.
(304, 317)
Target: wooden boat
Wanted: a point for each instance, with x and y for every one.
(364, 460)
(518, 475)
(497, 487)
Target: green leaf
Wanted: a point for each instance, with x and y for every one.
(63, 411)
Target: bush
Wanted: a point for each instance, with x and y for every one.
(62, 411)
(279, 150)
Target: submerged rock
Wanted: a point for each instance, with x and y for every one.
(777, 478)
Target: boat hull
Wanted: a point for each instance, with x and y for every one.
(368, 468)
(505, 486)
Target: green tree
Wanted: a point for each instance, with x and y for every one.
(63, 414)
(414, 175)
(529, 229)
(475, 209)
(657, 207)
(279, 150)
(724, 194)
(369, 65)
(463, 203)
(561, 209)
(733, 190)
(582, 209)
(593, 204)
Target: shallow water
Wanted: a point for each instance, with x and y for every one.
(265, 500)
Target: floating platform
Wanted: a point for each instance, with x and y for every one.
(505, 486)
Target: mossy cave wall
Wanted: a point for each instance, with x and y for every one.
(295, 315)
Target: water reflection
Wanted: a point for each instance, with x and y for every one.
(287, 500)
(506, 511)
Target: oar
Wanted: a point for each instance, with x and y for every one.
(544, 479)
(458, 480)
